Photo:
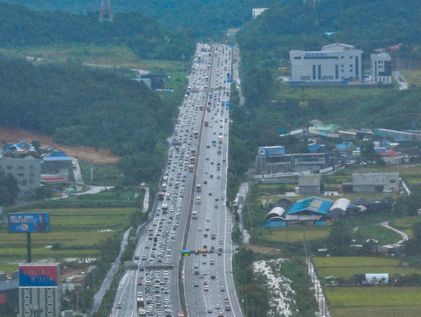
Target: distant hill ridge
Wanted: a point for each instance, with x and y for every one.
(20, 26)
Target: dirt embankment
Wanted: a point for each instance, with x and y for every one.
(85, 153)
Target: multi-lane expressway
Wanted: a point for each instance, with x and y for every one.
(190, 212)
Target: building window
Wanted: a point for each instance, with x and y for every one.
(9, 167)
(297, 57)
(314, 71)
(21, 175)
(21, 167)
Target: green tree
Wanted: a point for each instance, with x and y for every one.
(8, 189)
(339, 239)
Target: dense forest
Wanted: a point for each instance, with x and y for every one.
(199, 17)
(20, 26)
(82, 106)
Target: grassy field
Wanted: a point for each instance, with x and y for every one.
(112, 55)
(74, 233)
(119, 57)
(346, 267)
(374, 231)
(374, 301)
(293, 234)
(413, 77)
(286, 92)
(406, 223)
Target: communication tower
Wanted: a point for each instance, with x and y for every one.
(313, 2)
(105, 12)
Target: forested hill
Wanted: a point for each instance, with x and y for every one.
(83, 106)
(366, 24)
(20, 26)
(204, 18)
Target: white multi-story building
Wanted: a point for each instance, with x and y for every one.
(334, 63)
(381, 68)
(27, 171)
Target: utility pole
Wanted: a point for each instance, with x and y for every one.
(105, 12)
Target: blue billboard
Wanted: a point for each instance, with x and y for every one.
(38, 275)
(28, 222)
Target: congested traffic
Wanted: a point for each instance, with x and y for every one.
(190, 207)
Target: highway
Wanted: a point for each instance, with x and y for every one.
(198, 155)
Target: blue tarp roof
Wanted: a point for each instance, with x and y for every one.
(57, 158)
(312, 204)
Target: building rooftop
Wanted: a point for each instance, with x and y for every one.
(338, 47)
(311, 204)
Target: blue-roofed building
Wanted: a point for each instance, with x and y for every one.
(312, 210)
(58, 165)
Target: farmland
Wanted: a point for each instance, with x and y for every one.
(75, 233)
(346, 267)
(293, 234)
(374, 301)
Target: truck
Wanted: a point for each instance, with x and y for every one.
(140, 302)
(164, 208)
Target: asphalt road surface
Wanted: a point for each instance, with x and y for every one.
(198, 155)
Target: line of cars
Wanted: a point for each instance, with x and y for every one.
(155, 291)
(206, 281)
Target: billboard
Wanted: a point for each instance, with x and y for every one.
(34, 275)
(28, 222)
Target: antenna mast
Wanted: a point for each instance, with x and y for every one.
(105, 12)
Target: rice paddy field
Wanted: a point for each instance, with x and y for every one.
(75, 236)
(347, 266)
(374, 301)
(369, 301)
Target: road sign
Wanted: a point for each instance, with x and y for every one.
(28, 222)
